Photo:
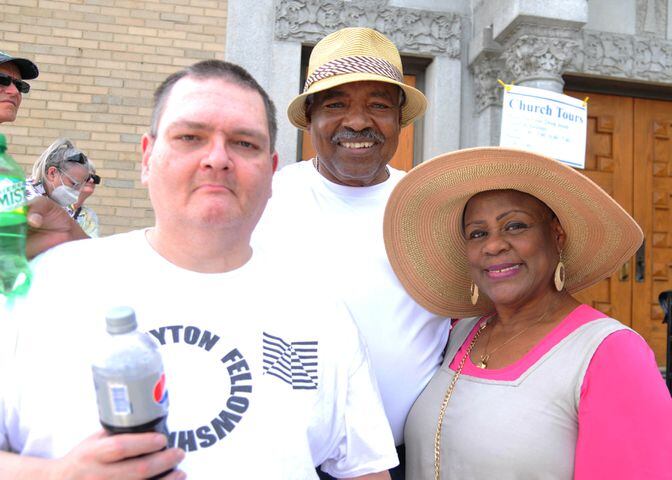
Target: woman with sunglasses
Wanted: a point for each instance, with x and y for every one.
(85, 216)
(64, 174)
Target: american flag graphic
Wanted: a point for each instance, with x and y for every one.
(295, 363)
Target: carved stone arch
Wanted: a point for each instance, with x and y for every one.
(627, 57)
(413, 31)
(535, 52)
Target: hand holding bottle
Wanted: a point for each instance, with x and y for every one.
(49, 225)
(127, 456)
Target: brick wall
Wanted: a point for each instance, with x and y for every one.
(100, 61)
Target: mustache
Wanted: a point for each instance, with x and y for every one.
(368, 134)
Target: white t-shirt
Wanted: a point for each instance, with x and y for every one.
(264, 381)
(337, 231)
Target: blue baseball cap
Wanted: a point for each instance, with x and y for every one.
(27, 68)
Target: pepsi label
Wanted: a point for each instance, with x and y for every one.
(130, 402)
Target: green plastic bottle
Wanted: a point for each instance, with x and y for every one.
(15, 275)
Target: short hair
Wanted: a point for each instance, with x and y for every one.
(214, 69)
(58, 155)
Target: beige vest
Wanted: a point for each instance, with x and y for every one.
(521, 429)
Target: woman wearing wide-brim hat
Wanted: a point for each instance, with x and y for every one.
(535, 384)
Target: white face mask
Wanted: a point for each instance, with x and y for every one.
(64, 195)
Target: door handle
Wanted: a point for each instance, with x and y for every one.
(640, 263)
(665, 299)
(624, 272)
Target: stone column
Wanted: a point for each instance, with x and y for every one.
(487, 69)
(536, 55)
(522, 42)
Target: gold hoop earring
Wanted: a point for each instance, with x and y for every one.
(559, 278)
(474, 293)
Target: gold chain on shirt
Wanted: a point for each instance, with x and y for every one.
(446, 399)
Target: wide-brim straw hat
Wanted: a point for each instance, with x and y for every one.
(423, 223)
(355, 55)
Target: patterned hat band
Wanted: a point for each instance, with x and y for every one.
(355, 64)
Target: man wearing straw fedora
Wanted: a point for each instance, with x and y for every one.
(327, 213)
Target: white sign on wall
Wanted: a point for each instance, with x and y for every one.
(545, 122)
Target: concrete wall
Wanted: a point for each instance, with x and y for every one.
(99, 62)
(616, 16)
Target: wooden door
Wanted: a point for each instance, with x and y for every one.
(403, 158)
(629, 154)
(609, 163)
(653, 212)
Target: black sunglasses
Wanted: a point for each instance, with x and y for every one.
(20, 85)
(78, 157)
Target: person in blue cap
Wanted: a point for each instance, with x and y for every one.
(13, 73)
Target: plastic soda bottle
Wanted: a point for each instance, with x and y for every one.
(15, 273)
(129, 379)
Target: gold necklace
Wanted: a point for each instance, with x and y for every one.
(485, 358)
(446, 399)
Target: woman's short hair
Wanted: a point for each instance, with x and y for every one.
(58, 155)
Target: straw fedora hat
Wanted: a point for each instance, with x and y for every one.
(423, 223)
(355, 55)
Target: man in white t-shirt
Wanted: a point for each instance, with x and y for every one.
(265, 381)
(327, 213)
